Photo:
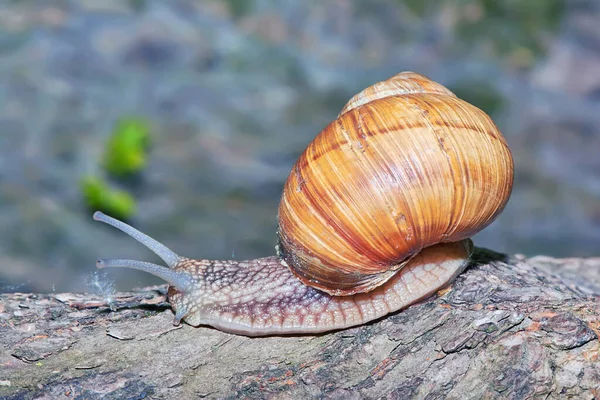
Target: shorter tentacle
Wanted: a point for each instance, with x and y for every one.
(182, 281)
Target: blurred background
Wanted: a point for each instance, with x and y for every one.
(185, 117)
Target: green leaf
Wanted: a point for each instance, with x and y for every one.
(99, 196)
(127, 149)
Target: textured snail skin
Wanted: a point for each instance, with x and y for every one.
(262, 297)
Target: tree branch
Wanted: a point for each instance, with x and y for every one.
(506, 328)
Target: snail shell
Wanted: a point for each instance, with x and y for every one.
(405, 165)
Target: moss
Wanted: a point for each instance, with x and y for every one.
(126, 150)
(100, 196)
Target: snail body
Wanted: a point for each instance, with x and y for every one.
(375, 215)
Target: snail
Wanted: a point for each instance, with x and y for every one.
(375, 215)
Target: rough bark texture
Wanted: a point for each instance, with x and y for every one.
(507, 328)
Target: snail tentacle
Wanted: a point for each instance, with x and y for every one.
(169, 256)
(182, 281)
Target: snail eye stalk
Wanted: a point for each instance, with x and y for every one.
(180, 280)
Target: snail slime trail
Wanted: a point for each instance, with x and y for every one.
(408, 171)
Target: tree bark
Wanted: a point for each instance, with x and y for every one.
(506, 328)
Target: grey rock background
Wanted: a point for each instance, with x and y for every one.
(235, 90)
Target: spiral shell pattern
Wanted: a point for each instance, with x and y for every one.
(406, 165)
